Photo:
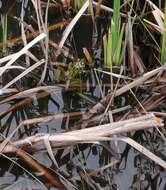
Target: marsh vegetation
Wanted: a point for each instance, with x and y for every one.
(82, 94)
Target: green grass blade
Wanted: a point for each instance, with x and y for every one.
(163, 48)
(116, 20)
(114, 37)
(113, 43)
(116, 14)
(109, 49)
(117, 55)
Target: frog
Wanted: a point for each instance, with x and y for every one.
(76, 68)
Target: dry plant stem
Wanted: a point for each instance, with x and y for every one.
(51, 5)
(153, 102)
(158, 19)
(23, 33)
(31, 68)
(87, 55)
(34, 34)
(8, 57)
(100, 107)
(30, 98)
(110, 165)
(155, 8)
(41, 169)
(160, 114)
(44, 27)
(47, 90)
(90, 135)
(130, 46)
(122, 126)
(153, 27)
(49, 118)
(114, 74)
(99, 133)
(139, 81)
(98, 7)
(36, 121)
(40, 22)
(22, 51)
(30, 92)
(108, 9)
(65, 53)
(23, 103)
(72, 23)
(138, 62)
(113, 93)
(8, 91)
(144, 151)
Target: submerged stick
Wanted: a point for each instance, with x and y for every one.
(34, 34)
(38, 167)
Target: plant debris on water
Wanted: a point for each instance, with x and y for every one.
(83, 94)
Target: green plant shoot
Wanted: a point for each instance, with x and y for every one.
(113, 40)
(163, 48)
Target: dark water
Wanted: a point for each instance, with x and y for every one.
(134, 171)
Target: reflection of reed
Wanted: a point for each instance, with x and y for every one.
(8, 7)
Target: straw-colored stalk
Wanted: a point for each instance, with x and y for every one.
(4, 31)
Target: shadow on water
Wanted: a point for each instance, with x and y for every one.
(77, 164)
